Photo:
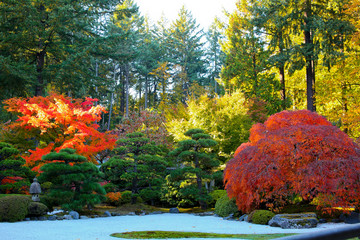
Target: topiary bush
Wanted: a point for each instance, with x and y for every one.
(216, 195)
(126, 197)
(224, 206)
(36, 209)
(260, 216)
(14, 208)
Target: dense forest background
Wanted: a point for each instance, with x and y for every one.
(269, 56)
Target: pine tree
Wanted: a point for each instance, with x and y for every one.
(14, 176)
(186, 55)
(136, 166)
(197, 164)
(75, 181)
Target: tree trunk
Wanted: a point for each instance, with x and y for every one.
(111, 100)
(282, 74)
(127, 90)
(122, 84)
(146, 91)
(40, 61)
(310, 86)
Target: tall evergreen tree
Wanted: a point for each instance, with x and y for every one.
(186, 56)
(49, 42)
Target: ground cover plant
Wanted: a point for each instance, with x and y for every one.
(174, 234)
(296, 153)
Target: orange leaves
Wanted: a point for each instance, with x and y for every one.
(63, 123)
(296, 152)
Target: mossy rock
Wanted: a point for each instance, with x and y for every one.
(224, 206)
(36, 209)
(260, 216)
(14, 208)
(294, 221)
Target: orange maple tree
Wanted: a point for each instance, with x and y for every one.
(294, 153)
(62, 122)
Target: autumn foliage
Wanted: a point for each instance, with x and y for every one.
(295, 153)
(61, 122)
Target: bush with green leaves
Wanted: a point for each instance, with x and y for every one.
(75, 181)
(36, 209)
(260, 216)
(224, 206)
(215, 196)
(14, 208)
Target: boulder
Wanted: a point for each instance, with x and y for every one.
(242, 218)
(52, 218)
(294, 221)
(107, 214)
(174, 210)
(351, 218)
(74, 214)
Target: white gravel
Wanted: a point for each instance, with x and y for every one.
(101, 228)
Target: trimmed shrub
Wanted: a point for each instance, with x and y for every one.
(36, 209)
(216, 195)
(126, 197)
(14, 208)
(224, 206)
(260, 216)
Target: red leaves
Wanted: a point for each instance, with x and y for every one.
(67, 122)
(294, 152)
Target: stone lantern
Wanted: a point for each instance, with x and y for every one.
(35, 190)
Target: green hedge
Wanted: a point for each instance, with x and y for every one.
(224, 206)
(36, 209)
(260, 216)
(14, 208)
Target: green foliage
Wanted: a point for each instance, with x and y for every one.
(126, 197)
(14, 176)
(14, 208)
(198, 165)
(74, 183)
(226, 119)
(261, 216)
(137, 165)
(215, 196)
(36, 209)
(224, 206)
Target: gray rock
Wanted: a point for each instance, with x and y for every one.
(174, 210)
(27, 219)
(131, 214)
(246, 218)
(52, 218)
(67, 217)
(206, 214)
(231, 216)
(74, 214)
(42, 218)
(351, 218)
(242, 218)
(294, 221)
(322, 220)
(84, 217)
(107, 214)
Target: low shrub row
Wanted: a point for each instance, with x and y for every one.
(16, 208)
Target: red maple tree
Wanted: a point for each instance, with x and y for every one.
(294, 153)
(62, 122)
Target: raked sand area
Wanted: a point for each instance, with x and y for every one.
(101, 228)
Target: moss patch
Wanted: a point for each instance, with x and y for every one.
(174, 234)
